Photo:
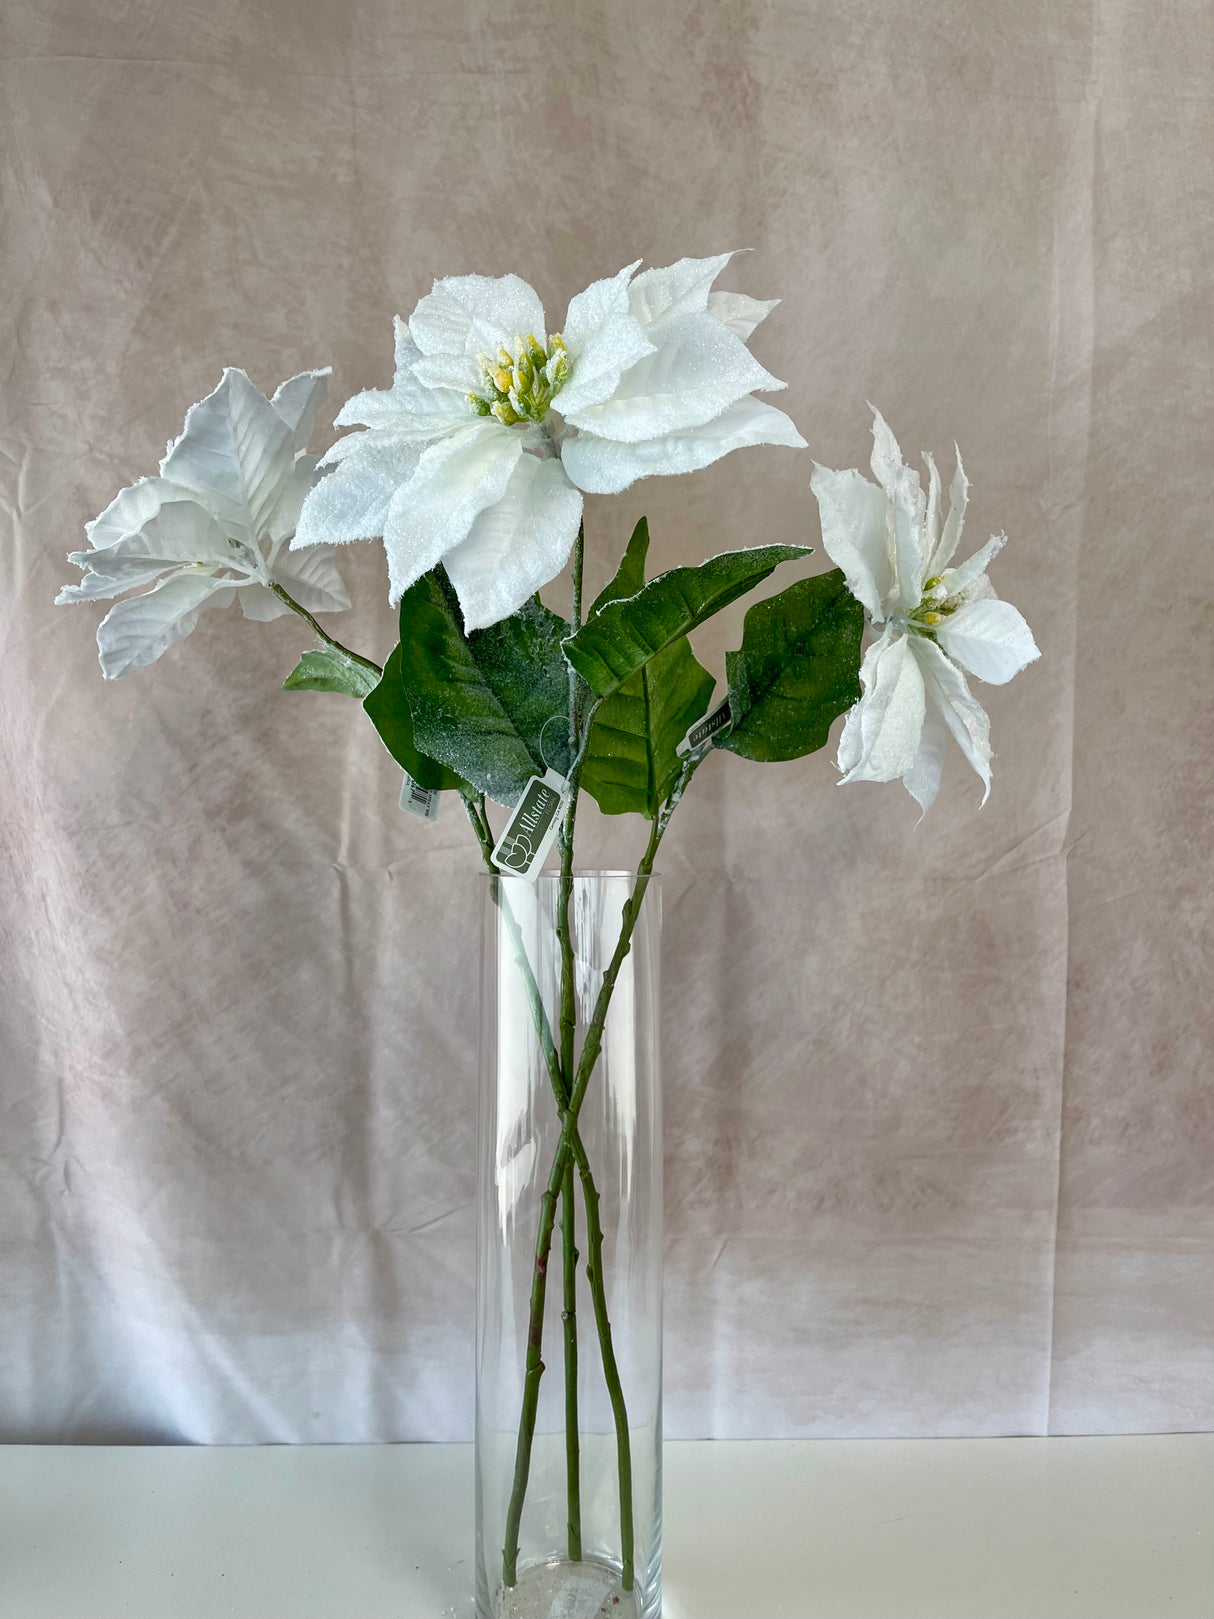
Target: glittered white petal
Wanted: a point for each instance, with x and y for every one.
(467, 313)
(922, 780)
(407, 410)
(854, 515)
(886, 462)
(456, 479)
(660, 296)
(351, 502)
(989, 638)
(965, 717)
(740, 313)
(298, 400)
(958, 497)
(699, 370)
(960, 581)
(135, 632)
(602, 340)
(517, 544)
(602, 467)
(884, 739)
(236, 452)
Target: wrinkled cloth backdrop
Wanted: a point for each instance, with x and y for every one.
(940, 1116)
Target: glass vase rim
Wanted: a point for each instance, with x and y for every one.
(554, 876)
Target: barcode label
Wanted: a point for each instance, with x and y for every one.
(417, 800)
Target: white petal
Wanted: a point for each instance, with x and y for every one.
(407, 410)
(958, 497)
(960, 581)
(740, 313)
(603, 340)
(406, 351)
(236, 452)
(922, 780)
(312, 578)
(450, 376)
(931, 525)
(456, 479)
(285, 516)
(178, 532)
(131, 508)
(659, 296)
(909, 509)
(965, 717)
(467, 313)
(260, 604)
(989, 638)
(517, 544)
(882, 741)
(137, 631)
(602, 467)
(699, 370)
(855, 534)
(298, 400)
(352, 501)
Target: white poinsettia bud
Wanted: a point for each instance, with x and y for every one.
(478, 454)
(213, 528)
(937, 623)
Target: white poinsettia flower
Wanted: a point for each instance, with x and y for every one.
(936, 622)
(214, 526)
(478, 454)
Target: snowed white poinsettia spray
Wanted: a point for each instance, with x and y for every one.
(472, 468)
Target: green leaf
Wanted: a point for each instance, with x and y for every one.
(388, 709)
(630, 575)
(797, 669)
(522, 661)
(331, 670)
(478, 705)
(625, 634)
(631, 763)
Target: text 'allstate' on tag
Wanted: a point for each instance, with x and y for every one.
(532, 826)
(716, 720)
(417, 800)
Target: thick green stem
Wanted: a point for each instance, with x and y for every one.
(355, 657)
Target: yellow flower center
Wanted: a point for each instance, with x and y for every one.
(936, 606)
(520, 387)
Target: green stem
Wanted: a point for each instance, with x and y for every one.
(568, 1018)
(355, 657)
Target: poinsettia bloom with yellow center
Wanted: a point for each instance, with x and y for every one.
(213, 527)
(478, 455)
(936, 622)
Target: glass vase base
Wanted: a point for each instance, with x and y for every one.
(563, 1590)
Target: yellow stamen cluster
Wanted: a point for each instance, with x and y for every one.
(935, 607)
(520, 387)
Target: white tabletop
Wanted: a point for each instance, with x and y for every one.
(865, 1529)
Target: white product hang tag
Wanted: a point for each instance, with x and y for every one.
(532, 826)
(716, 720)
(417, 800)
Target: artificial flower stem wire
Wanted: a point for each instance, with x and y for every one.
(355, 657)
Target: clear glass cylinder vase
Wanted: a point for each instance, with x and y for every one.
(569, 1250)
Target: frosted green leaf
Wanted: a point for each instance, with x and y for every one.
(797, 669)
(330, 670)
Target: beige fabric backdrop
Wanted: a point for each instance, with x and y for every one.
(940, 1112)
